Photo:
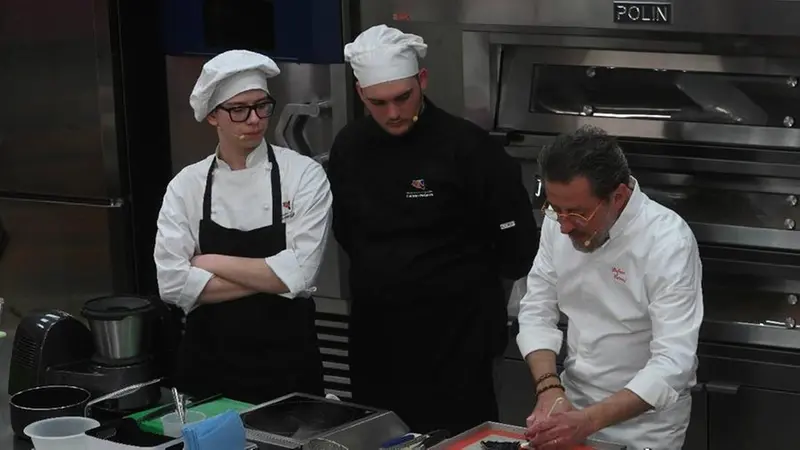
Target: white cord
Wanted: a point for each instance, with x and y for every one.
(555, 403)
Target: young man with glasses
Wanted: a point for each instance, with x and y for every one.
(627, 273)
(240, 240)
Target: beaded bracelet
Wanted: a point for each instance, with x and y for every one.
(548, 387)
(546, 376)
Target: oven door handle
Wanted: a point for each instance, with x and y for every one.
(289, 131)
(4, 238)
(721, 387)
(538, 196)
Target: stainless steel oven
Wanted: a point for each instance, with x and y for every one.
(712, 137)
(704, 97)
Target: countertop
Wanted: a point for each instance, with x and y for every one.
(7, 439)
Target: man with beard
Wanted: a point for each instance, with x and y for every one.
(433, 214)
(627, 273)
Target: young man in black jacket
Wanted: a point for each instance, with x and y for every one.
(433, 215)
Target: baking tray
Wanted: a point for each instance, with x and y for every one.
(471, 439)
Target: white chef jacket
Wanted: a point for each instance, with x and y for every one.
(635, 306)
(242, 199)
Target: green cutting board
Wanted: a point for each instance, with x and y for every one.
(210, 409)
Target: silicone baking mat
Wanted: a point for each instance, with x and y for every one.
(473, 442)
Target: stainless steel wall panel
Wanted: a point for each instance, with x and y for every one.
(57, 124)
(57, 255)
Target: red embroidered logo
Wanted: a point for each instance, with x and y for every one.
(619, 274)
(287, 205)
(418, 184)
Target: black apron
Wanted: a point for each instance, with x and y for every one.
(257, 348)
(429, 357)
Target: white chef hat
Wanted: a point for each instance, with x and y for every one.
(382, 54)
(227, 75)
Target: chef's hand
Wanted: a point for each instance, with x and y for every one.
(562, 431)
(548, 402)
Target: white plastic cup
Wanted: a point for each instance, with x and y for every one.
(172, 423)
(61, 433)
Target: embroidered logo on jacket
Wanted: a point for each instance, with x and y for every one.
(420, 190)
(287, 210)
(619, 274)
(507, 225)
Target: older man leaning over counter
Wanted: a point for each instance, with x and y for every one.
(627, 273)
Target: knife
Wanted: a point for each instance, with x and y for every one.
(435, 437)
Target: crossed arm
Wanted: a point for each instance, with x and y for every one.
(186, 279)
(236, 277)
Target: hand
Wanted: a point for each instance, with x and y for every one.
(548, 403)
(562, 431)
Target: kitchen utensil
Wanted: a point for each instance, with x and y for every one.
(413, 442)
(323, 444)
(434, 438)
(60, 433)
(300, 419)
(173, 424)
(295, 419)
(2, 333)
(119, 393)
(117, 325)
(392, 443)
(176, 398)
(45, 402)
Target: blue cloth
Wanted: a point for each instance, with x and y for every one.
(223, 432)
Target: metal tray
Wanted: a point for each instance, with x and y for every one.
(488, 427)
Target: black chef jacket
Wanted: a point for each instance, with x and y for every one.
(431, 221)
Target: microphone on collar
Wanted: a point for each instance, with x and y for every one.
(589, 240)
(416, 116)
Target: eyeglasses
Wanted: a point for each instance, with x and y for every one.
(262, 109)
(576, 219)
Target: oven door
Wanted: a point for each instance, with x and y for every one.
(745, 225)
(739, 101)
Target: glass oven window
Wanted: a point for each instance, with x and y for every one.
(730, 299)
(665, 95)
(720, 200)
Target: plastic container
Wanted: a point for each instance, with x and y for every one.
(61, 433)
(172, 424)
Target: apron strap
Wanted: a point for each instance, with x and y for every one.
(275, 175)
(207, 193)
